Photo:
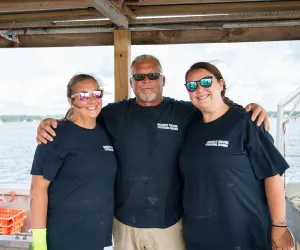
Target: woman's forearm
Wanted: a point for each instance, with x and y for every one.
(276, 198)
(38, 206)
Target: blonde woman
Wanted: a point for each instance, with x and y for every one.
(72, 190)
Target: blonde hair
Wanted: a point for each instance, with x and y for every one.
(76, 79)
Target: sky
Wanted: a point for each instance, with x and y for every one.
(33, 80)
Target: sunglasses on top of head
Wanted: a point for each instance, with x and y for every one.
(141, 77)
(84, 96)
(204, 82)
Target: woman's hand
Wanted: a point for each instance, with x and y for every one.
(282, 238)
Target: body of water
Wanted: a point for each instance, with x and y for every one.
(17, 146)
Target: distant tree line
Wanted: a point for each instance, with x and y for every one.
(30, 118)
(26, 118)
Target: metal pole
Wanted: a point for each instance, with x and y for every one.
(279, 130)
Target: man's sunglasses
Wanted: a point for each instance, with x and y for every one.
(204, 82)
(141, 77)
(84, 96)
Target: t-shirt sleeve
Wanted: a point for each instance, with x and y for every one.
(265, 159)
(47, 160)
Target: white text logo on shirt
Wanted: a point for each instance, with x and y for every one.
(217, 143)
(167, 126)
(108, 148)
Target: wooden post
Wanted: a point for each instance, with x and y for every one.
(122, 51)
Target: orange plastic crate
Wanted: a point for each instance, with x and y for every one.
(11, 220)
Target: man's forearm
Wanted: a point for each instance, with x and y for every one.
(276, 198)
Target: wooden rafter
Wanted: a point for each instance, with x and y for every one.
(160, 27)
(36, 5)
(216, 35)
(213, 35)
(170, 2)
(216, 8)
(265, 16)
(110, 11)
(51, 16)
(61, 40)
(32, 5)
(123, 8)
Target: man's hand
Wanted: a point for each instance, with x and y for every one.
(45, 131)
(282, 238)
(260, 114)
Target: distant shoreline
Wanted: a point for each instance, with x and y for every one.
(26, 118)
(31, 118)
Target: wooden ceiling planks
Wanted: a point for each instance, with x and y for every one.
(60, 40)
(147, 22)
(170, 2)
(69, 23)
(37, 5)
(216, 8)
(226, 35)
(53, 16)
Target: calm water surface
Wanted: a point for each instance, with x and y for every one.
(17, 146)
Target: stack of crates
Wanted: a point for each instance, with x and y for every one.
(11, 220)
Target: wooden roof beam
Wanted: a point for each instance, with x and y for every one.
(248, 17)
(217, 8)
(37, 5)
(216, 35)
(123, 8)
(225, 35)
(170, 2)
(110, 11)
(160, 27)
(60, 40)
(51, 16)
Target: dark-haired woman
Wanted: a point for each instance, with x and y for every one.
(233, 192)
(72, 186)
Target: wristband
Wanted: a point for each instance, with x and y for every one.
(279, 223)
(39, 239)
(279, 226)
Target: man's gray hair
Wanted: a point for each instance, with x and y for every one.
(146, 57)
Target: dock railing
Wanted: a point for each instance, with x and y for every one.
(292, 189)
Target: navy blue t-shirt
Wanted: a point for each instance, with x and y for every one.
(147, 141)
(81, 165)
(224, 164)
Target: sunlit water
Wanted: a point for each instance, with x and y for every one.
(17, 146)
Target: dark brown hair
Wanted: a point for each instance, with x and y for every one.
(217, 74)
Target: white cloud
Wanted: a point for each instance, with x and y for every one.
(34, 81)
